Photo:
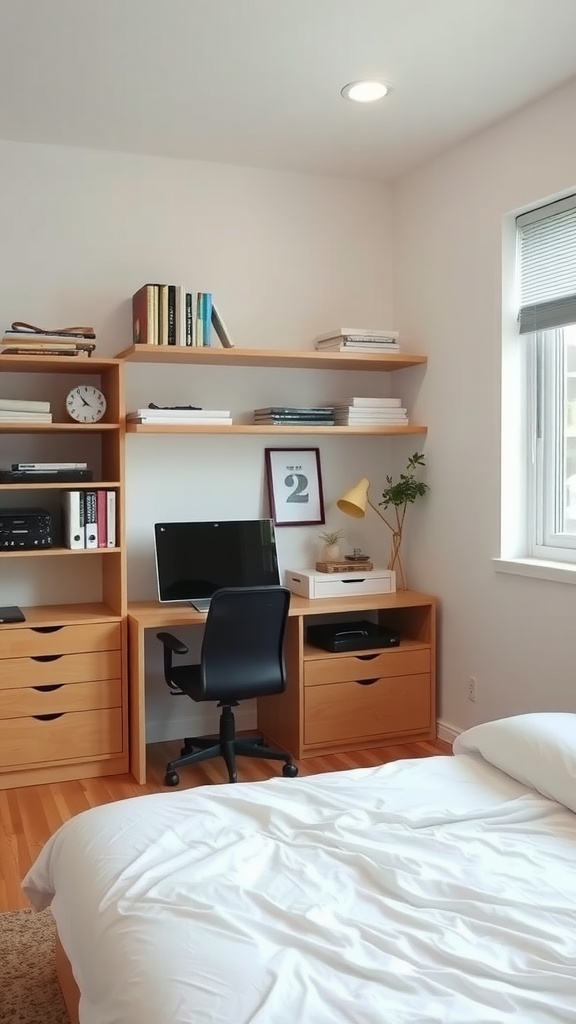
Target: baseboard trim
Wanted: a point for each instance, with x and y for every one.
(446, 732)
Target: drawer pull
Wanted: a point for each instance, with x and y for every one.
(46, 629)
(46, 657)
(48, 718)
(366, 682)
(367, 657)
(48, 689)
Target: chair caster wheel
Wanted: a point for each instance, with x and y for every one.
(171, 779)
(289, 771)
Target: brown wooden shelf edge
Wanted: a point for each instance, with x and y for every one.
(270, 357)
(147, 428)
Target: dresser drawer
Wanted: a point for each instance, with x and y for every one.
(35, 742)
(94, 636)
(59, 668)
(104, 693)
(396, 662)
(349, 710)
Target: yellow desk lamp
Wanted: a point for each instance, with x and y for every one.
(354, 503)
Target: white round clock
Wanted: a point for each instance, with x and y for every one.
(85, 404)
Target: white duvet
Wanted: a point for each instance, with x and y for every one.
(423, 891)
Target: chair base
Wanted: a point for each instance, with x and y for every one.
(228, 746)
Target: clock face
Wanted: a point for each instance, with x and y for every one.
(85, 404)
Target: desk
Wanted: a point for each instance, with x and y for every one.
(332, 702)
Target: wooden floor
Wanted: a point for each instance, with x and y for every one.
(29, 816)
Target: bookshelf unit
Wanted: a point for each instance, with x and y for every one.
(280, 359)
(63, 672)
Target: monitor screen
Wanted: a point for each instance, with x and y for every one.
(193, 560)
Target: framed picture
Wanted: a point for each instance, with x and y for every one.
(295, 486)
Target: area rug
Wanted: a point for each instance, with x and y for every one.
(29, 989)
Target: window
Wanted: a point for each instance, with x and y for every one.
(547, 286)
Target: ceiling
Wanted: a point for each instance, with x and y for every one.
(257, 82)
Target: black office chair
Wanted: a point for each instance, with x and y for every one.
(242, 657)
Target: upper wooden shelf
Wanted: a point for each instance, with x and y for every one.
(55, 364)
(269, 357)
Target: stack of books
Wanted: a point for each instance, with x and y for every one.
(375, 412)
(172, 314)
(287, 415)
(25, 340)
(357, 339)
(171, 417)
(16, 410)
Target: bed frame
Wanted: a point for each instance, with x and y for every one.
(70, 990)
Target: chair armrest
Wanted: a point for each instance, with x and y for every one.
(172, 643)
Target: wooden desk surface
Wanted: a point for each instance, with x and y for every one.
(152, 614)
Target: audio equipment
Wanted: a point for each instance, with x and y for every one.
(25, 528)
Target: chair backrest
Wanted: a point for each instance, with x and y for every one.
(243, 645)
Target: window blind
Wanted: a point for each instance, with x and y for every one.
(547, 266)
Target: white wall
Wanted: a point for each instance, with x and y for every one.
(516, 635)
(286, 257)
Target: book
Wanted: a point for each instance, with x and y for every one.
(351, 348)
(355, 342)
(145, 315)
(276, 421)
(171, 314)
(23, 405)
(289, 410)
(101, 518)
(111, 519)
(162, 314)
(205, 317)
(72, 506)
(25, 417)
(370, 403)
(90, 519)
(221, 329)
(15, 350)
(213, 421)
(382, 411)
(355, 332)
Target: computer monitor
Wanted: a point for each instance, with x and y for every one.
(193, 560)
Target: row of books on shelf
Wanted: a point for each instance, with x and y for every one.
(357, 339)
(357, 411)
(172, 314)
(89, 519)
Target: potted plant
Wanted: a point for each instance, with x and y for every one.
(398, 496)
(331, 552)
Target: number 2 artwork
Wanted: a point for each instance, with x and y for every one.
(294, 484)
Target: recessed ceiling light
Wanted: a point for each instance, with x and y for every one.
(365, 92)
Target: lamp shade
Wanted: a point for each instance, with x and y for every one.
(354, 502)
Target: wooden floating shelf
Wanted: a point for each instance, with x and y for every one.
(63, 485)
(80, 365)
(151, 428)
(23, 427)
(307, 360)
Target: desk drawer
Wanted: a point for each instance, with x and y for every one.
(94, 636)
(349, 710)
(67, 697)
(34, 742)
(395, 662)
(59, 668)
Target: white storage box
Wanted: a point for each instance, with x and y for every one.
(309, 583)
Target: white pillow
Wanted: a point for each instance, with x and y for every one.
(538, 750)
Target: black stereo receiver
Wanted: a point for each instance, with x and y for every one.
(25, 528)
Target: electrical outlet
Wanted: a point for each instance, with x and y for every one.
(472, 688)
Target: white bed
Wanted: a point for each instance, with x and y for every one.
(423, 891)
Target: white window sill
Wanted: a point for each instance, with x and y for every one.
(558, 572)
